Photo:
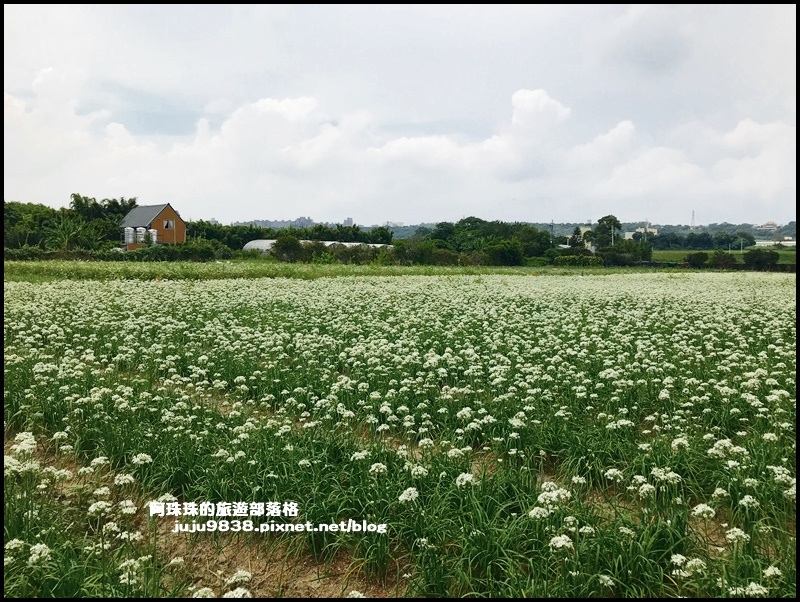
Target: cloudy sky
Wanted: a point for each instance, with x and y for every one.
(406, 113)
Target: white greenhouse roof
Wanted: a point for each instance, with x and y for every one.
(261, 245)
(265, 245)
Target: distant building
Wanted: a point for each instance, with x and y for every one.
(786, 242)
(348, 221)
(300, 222)
(588, 244)
(153, 224)
(646, 231)
(767, 227)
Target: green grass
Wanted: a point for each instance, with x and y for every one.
(786, 256)
(46, 271)
(54, 270)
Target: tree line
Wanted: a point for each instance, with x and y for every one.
(695, 241)
(235, 237)
(91, 228)
(89, 224)
(85, 224)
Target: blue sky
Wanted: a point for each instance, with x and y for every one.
(406, 113)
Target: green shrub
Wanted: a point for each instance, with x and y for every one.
(696, 260)
(288, 248)
(323, 258)
(612, 257)
(25, 253)
(535, 262)
(445, 257)
(578, 260)
(505, 252)
(722, 260)
(761, 259)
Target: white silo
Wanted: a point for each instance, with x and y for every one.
(129, 236)
(153, 235)
(140, 234)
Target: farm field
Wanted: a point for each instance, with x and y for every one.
(678, 255)
(47, 271)
(616, 435)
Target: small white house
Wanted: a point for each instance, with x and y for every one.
(771, 243)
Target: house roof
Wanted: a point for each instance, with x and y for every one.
(142, 217)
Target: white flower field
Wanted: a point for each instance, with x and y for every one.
(624, 435)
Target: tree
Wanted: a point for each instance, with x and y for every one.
(639, 250)
(667, 240)
(576, 240)
(444, 232)
(24, 223)
(626, 252)
(68, 232)
(84, 207)
(412, 252)
(744, 239)
(505, 252)
(722, 260)
(696, 260)
(90, 222)
(380, 236)
(789, 230)
(288, 248)
(724, 240)
(534, 242)
(104, 217)
(701, 240)
(606, 232)
(761, 259)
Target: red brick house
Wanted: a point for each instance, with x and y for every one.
(152, 224)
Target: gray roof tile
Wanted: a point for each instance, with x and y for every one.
(142, 217)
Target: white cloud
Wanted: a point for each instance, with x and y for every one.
(409, 114)
(605, 148)
(767, 171)
(658, 171)
(534, 109)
